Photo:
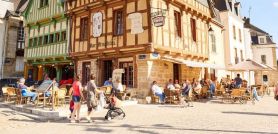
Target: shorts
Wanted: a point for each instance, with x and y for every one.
(91, 104)
(76, 98)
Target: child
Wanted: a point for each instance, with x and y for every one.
(71, 107)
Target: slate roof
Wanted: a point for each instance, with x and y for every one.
(256, 32)
(221, 5)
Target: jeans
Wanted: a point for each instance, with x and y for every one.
(30, 94)
(161, 96)
(212, 92)
(47, 94)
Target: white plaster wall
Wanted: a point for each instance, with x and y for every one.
(263, 50)
(218, 57)
(5, 5)
(248, 44)
(235, 43)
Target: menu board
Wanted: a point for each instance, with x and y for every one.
(46, 85)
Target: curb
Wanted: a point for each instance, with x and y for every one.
(35, 114)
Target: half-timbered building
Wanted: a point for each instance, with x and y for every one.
(150, 39)
(47, 40)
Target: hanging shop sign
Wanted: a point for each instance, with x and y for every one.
(158, 16)
(97, 24)
(136, 23)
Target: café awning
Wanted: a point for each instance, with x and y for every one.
(249, 65)
(191, 63)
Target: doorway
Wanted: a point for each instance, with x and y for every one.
(107, 70)
(176, 72)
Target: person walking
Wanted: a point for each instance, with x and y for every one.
(91, 96)
(276, 91)
(76, 97)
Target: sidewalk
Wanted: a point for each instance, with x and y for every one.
(46, 114)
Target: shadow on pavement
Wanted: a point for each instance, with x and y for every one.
(251, 113)
(152, 129)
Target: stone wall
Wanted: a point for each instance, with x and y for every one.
(272, 77)
(11, 47)
(160, 71)
(153, 70)
(94, 68)
(190, 73)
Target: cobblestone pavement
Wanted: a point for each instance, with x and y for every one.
(204, 118)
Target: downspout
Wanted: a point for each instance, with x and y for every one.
(4, 48)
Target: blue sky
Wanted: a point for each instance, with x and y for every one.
(264, 14)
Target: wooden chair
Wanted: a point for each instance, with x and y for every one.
(21, 98)
(220, 90)
(11, 94)
(107, 90)
(154, 98)
(238, 95)
(5, 93)
(67, 95)
(204, 92)
(61, 96)
(169, 96)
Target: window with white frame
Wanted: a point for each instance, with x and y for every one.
(213, 43)
(263, 59)
(262, 40)
(20, 36)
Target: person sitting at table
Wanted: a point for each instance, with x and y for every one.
(197, 87)
(170, 85)
(25, 92)
(29, 81)
(211, 88)
(177, 85)
(186, 88)
(55, 86)
(157, 91)
(108, 82)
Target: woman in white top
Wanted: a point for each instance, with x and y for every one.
(158, 91)
(119, 86)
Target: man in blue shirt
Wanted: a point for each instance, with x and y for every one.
(108, 82)
(238, 81)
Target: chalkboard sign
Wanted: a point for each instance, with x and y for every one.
(44, 86)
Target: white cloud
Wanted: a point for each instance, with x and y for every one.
(275, 4)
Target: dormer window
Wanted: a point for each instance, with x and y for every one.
(237, 7)
(262, 40)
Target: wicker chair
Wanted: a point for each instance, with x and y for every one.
(11, 94)
(61, 96)
(21, 98)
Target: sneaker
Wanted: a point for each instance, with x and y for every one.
(89, 120)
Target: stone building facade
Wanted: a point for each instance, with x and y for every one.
(12, 39)
(264, 52)
(151, 40)
(47, 44)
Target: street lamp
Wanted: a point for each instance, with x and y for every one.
(210, 31)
